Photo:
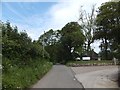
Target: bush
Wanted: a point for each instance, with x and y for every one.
(21, 66)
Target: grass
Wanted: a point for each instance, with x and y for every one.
(27, 76)
(89, 62)
(92, 61)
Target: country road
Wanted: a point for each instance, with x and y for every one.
(59, 76)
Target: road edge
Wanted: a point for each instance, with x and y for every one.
(76, 78)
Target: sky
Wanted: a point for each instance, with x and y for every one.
(37, 16)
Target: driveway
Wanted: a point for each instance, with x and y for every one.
(97, 76)
(59, 76)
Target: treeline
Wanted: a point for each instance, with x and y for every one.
(63, 45)
(108, 29)
(22, 59)
(18, 47)
(74, 40)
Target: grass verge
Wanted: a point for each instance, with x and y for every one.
(89, 63)
(25, 77)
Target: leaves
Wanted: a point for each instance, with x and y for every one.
(18, 47)
(87, 22)
(108, 25)
(72, 38)
(60, 43)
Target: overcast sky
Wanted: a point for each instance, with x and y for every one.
(37, 16)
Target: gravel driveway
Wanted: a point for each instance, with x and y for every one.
(97, 76)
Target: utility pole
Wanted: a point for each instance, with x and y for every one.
(43, 45)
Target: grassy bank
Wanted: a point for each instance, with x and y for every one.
(89, 63)
(25, 77)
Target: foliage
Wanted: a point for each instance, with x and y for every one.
(62, 44)
(52, 50)
(110, 55)
(71, 39)
(18, 47)
(22, 61)
(17, 77)
(50, 37)
(50, 40)
(87, 22)
(107, 21)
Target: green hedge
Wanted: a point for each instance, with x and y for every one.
(24, 77)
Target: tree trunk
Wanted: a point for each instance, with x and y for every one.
(106, 47)
(88, 47)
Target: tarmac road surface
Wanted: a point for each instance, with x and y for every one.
(97, 76)
(59, 76)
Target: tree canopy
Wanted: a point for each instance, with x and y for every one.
(108, 25)
(87, 22)
(18, 48)
(62, 44)
(72, 38)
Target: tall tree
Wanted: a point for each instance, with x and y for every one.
(108, 23)
(87, 22)
(50, 37)
(50, 40)
(1, 37)
(71, 39)
(61, 44)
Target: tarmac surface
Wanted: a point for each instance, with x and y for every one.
(59, 76)
(97, 76)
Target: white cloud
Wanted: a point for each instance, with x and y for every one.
(32, 32)
(57, 16)
(65, 12)
(95, 46)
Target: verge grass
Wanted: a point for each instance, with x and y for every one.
(25, 77)
(91, 62)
